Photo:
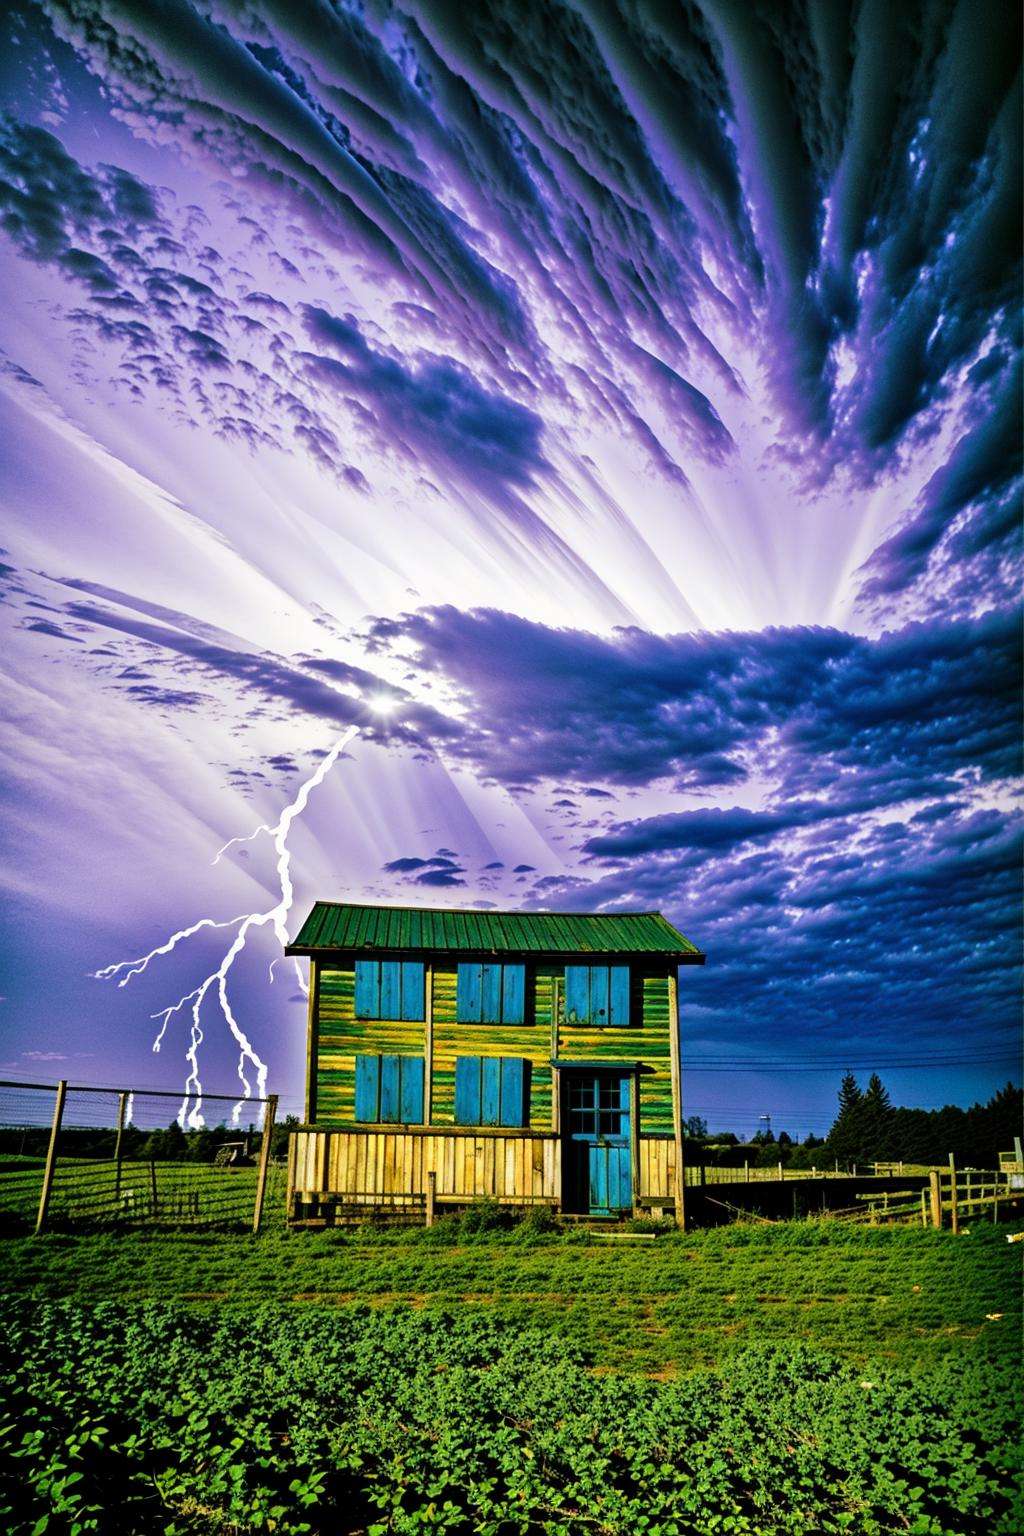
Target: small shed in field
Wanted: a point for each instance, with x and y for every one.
(524, 1057)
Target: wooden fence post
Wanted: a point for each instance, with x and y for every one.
(269, 1116)
(51, 1155)
(746, 1171)
(954, 1213)
(936, 1197)
(780, 1169)
(122, 1100)
(431, 1196)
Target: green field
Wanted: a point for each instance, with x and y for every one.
(797, 1378)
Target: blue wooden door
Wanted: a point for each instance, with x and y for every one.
(598, 1162)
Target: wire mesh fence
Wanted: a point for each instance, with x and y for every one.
(106, 1156)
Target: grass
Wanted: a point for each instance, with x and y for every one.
(88, 1189)
(901, 1295)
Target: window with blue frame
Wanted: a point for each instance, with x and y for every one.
(389, 989)
(490, 994)
(597, 995)
(492, 1090)
(389, 1090)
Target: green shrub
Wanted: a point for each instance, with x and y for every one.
(154, 1418)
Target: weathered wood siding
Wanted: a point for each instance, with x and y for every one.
(390, 1166)
(657, 1168)
(647, 1040)
(341, 1037)
(530, 1040)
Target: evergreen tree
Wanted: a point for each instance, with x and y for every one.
(845, 1139)
(876, 1123)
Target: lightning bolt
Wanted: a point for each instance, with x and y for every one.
(190, 1114)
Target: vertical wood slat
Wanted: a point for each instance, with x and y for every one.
(428, 1045)
(312, 1041)
(677, 1098)
(634, 1141)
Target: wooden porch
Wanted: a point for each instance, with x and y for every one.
(407, 1170)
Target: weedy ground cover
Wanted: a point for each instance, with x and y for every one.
(802, 1378)
(905, 1294)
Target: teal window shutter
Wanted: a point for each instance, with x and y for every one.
(490, 1090)
(619, 1005)
(599, 995)
(411, 1095)
(577, 994)
(368, 1088)
(413, 990)
(467, 1090)
(390, 990)
(390, 1095)
(513, 998)
(389, 1090)
(367, 989)
(468, 993)
(515, 1091)
(490, 1004)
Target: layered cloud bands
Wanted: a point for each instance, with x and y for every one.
(857, 871)
(631, 392)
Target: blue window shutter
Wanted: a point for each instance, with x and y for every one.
(367, 989)
(412, 989)
(390, 1096)
(577, 994)
(513, 1001)
(368, 1088)
(467, 1090)
(515, 1091)
(412, 1090)
(490, 1007)
(619, 1010)
(490, 1090)
(468, 993)
(599, 995)
(390, 989)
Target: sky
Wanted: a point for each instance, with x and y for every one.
(628, 394)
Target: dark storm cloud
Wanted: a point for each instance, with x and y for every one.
(592, 207)
(437, 410)
(867, 887)
(811, 706)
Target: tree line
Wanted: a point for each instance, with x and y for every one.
(869, 1128)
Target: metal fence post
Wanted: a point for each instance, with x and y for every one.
(269, 1116)
(51, 1155)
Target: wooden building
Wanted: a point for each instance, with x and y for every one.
(455, 1056)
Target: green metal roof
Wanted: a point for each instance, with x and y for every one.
(338, 925)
